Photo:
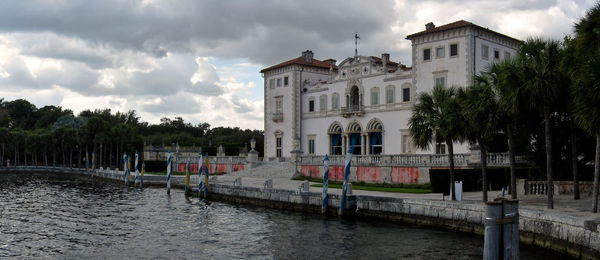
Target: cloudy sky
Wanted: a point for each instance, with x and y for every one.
(201, 59)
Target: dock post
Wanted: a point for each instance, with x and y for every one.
(169, 173)
(325, 185)
(493, 230)
(510, 230)
(345, 184)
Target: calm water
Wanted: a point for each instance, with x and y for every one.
(61, 216)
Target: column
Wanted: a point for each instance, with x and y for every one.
(368, 144)
(343, 144)
(362, 144)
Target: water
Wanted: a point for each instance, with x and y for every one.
(59, 216)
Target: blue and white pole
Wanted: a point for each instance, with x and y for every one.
(206, 175)
(187, 177)
(142, 173)
(325, 184)
(169, 173)
(200, 181)
(128, 170)
(346, 175)
(136, 173)
(125, 167)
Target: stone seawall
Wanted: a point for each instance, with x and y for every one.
(553, 230)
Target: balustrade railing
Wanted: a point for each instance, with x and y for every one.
(536, 188)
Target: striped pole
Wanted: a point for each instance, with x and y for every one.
(169, 173)
(206, 165)
(346, 175)
(200, 181)
(93, 164)
(135, 173)
(187, 177)
(128, 169)
(325, 184)
(87, 163)
(125, 167)
(142, 173)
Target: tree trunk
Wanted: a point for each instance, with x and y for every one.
(70, 156)
(79, 156)
(100, 162)
(549, 172)
(574, 161)
(511, 158)
(121, 161)
(64, 156)
(451, 161)
(596, 175)
(484, 175)
(110, 155)
(45, 156)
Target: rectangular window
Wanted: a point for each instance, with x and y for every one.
(323, 103)
(485, 52)
(374, 97)
(407, 146)
(454, 50)
(285, 80)
(389, 95)
(311, 106)
(272, 83)
(496, 54)
(440, 81)
(427, 54)
(278, 146)
(440, 148)
(335, 101)
(279, 82)
(406, 94)
(311, 146)
(506, 55)
(278, 105)
(439, 52)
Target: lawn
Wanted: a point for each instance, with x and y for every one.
(374, 188)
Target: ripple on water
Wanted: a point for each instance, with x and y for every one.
(63, 216)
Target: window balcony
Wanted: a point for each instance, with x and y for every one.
(277, 117)
(353, 110)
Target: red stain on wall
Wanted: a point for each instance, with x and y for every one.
(221, 168)
(368, 174)
(237, 167)
(310, 170)
(336, 172)
(405, 175)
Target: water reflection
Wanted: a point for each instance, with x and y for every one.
(62, 216)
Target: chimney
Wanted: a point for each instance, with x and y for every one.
(429, 26)
(307, 56)
(385, 58)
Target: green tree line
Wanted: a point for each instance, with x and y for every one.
(54, 136)
(545, 102)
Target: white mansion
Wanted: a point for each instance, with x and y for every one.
(365, 102)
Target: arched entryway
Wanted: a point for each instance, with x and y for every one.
(354, 138)
(335, 138)
(375, 137)
(354, 99)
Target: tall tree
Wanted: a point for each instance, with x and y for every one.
(436, 118)
(540, 60)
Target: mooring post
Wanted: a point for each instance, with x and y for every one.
(125, 167)
(169, 173)
(200, 173)
(493, 230)
(325, 184)
(345, 184)
(187, 177)
(510, 230)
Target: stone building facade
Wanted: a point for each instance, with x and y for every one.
(364, 102)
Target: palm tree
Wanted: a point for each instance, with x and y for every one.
(480, 113)
(435, 116)
(586, 92)
(540, 60)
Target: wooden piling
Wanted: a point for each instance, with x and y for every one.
(493, 230)
(510, 230)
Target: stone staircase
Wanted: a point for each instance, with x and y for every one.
(267, 170)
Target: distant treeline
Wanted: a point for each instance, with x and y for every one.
(51, 135)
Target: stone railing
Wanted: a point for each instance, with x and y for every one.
(536, 187)
(415, 160)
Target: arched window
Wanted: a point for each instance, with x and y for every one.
(335, 137)
(375, 130)
(355, 139)
(323, 103)
(335, 101)
(354, 99)
(375, 96)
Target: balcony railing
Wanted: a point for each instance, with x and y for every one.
(357, 110)
(277, 116)
(415, 160)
